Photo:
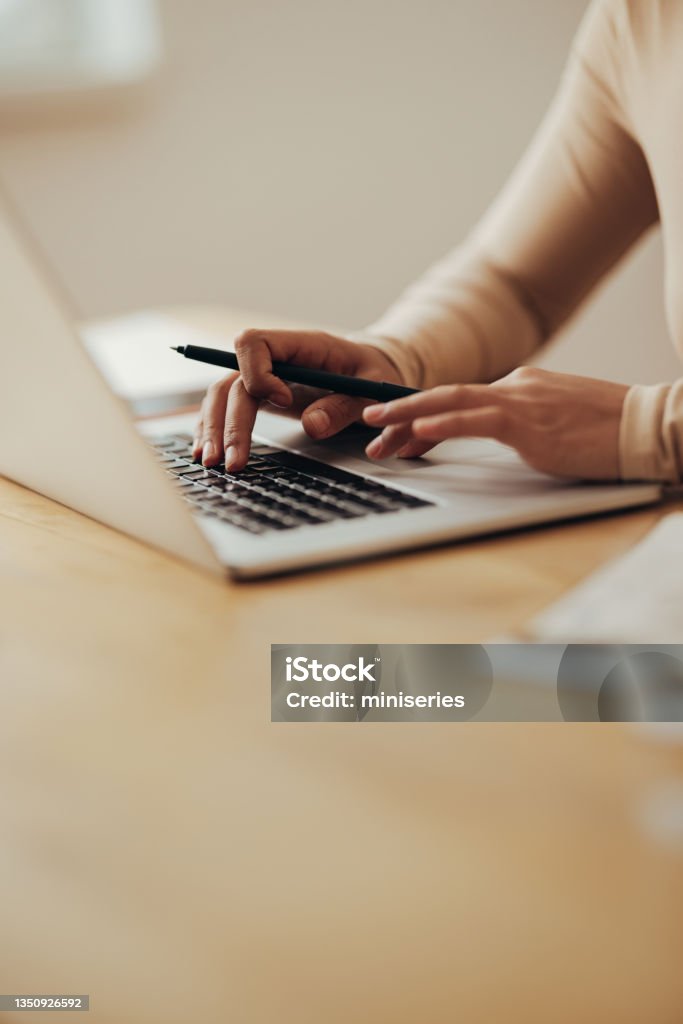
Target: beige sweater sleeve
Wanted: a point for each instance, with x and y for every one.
(651, 435)
(579, 199)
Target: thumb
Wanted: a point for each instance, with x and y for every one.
(331, 414)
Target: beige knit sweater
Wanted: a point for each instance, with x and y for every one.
(606, 164)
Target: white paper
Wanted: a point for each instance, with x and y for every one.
(637, 598)
(133, 354)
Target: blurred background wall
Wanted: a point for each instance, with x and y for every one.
(310, 158)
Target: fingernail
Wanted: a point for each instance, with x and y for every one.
(319, 421)
(374, 449)
(208, 452)
(230, 456)
(373, 413)
(281, 399)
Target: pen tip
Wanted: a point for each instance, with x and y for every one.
(173, 348)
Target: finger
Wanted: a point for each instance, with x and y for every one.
(390, 441)
(197, 441)
(305, 348)
(256, 367)
(239, 423)
(303, 397)
(213, 419)
(428, 403)
(490, 422)
(331, 414)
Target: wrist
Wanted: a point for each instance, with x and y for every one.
(387, 368)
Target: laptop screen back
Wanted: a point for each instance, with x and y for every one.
(64, 434)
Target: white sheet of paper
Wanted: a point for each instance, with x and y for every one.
(637, 598)
(133, 354)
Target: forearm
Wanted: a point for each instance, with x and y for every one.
(579, 199)
(464, 320)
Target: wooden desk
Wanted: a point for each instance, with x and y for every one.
(166, 849)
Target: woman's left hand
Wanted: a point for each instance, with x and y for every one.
(563, 425)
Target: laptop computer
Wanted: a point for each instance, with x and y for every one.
(298, 504)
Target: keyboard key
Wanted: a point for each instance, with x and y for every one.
(322, 515)
(222, 484)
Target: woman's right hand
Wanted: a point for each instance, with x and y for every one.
(229, 408)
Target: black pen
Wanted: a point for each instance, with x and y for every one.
(380, 391)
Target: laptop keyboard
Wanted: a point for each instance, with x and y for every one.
(277, 490)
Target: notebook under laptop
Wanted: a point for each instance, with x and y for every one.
(299, 504)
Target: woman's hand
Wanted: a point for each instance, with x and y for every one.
(229, 408)
(563, 425)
